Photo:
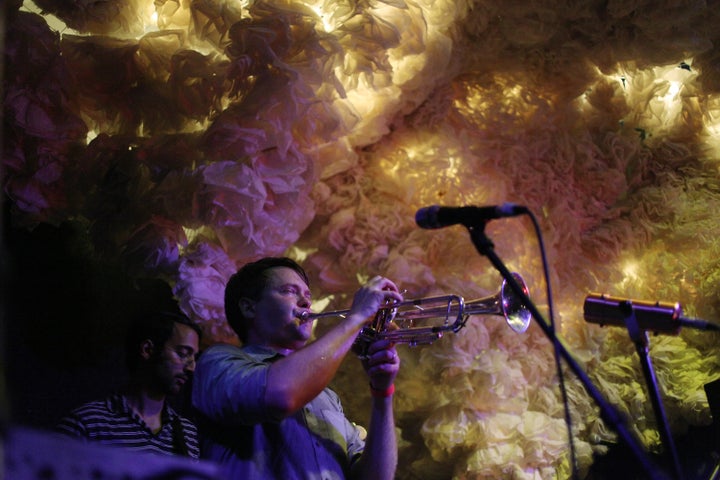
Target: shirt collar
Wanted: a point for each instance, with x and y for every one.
(118, 402)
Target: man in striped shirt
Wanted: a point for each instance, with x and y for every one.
(160, 353)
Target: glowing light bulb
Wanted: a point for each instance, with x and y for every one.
(630, 270)
(327, 26)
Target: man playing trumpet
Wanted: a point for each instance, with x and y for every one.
(266, 409)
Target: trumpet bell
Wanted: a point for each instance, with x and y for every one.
(516, 314)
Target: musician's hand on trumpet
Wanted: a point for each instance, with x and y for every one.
(377, 292)
(381, 362)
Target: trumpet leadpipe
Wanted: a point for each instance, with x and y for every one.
(446, 305)
(308, 316)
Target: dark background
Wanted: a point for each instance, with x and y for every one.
(65, 321)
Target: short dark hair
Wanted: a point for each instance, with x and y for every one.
(156, 326)
(249, 282)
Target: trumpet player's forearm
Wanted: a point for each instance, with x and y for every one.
(295, 380)
(380, 457)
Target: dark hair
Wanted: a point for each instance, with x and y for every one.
(154, 326)
(249, 282)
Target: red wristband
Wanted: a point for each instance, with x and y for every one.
(382, 393)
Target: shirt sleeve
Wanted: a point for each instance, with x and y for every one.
(229, 386)
(354, 443)
(71, 426)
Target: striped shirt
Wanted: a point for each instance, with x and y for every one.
(112, 422)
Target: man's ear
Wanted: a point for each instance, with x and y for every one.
(146, 349)
(247, 307)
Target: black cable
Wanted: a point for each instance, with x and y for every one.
(558, 362)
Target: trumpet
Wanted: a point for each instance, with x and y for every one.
(422, 321)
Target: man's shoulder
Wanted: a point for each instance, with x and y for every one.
(104, 405)
(220, 350)
(88, 415)
(223, 347)
(224, 350)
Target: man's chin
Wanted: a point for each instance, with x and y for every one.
(308, 335)
(305, 330)
(301, 339)
(177, 387)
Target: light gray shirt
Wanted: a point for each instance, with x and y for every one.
(317, 442)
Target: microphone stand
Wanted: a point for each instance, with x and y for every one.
(698, 324)
(642, 343)
(609, 414)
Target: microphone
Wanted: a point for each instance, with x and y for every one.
(436, 216)
(660, 317)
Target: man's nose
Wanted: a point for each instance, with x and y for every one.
(189, 364)
(304, 302)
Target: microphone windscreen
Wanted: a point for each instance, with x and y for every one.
(427, 217)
